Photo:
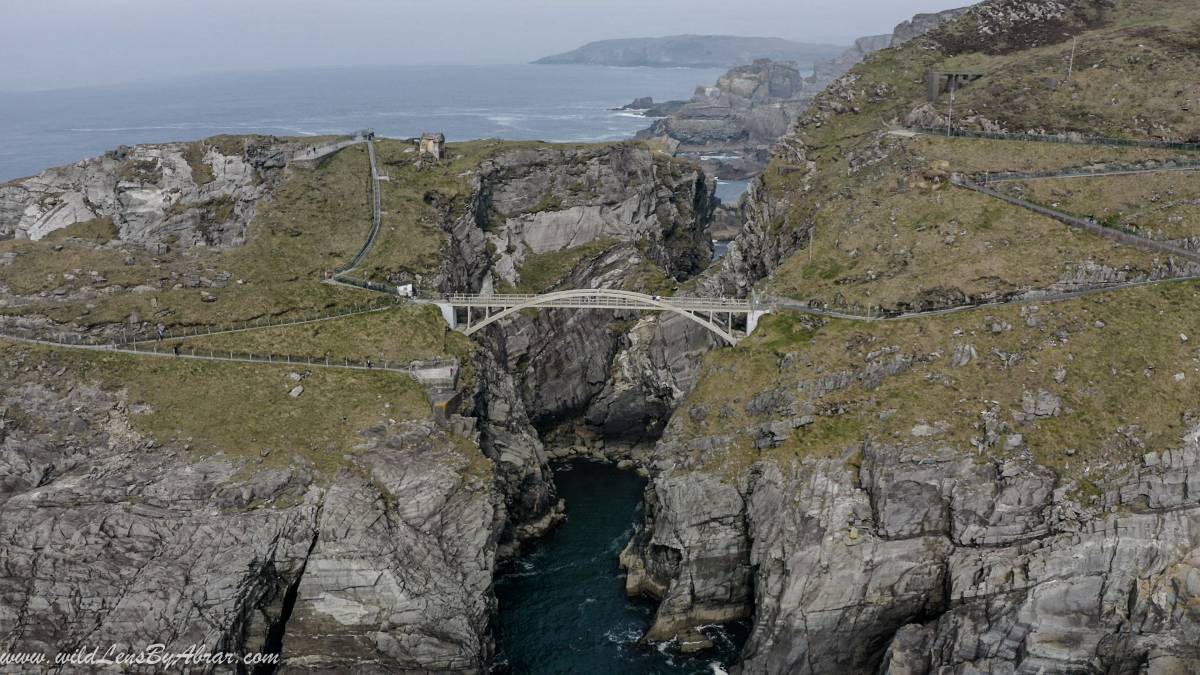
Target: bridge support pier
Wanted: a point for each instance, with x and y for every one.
(448, 314)
(752, 319)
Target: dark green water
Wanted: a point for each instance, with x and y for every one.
(562, 605)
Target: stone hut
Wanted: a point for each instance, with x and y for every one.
(433, 145)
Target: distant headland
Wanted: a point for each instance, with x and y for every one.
(693, 51)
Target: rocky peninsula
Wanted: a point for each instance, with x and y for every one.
(965, 440)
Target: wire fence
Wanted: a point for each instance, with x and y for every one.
(1120, 235)
(429, 372)
(180, 333)
(838, 309)
(1069, 138)
(376, 217)
(988, 177)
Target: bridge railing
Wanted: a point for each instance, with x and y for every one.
(597, 297)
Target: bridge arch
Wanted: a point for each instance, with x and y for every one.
(605, 298)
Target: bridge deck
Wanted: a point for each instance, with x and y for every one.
(599, 301)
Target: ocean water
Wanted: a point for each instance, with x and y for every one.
(519, 102)
(562, 605)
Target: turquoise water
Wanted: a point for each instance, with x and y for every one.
(563, 607)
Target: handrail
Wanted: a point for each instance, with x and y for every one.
(1092, 226)
(630, 300)
(1069, 139)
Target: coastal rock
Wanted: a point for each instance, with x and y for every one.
(200, 193)
(386, 567)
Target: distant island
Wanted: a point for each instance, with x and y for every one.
(693, 51)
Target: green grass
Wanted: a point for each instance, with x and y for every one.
(314, 220)
(238, 409)
(398, 335)
(890, 239)
(1159, 205)
(1120, 395)
(202, 173)
(99, 230)
(542, 271)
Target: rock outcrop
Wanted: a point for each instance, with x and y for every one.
(612, 215)
(735, 123)
(200, 193)
(740, 117)
(112, 537)
(915, 557)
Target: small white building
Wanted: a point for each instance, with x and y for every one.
(433, 145)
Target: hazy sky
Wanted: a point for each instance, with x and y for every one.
(61, 43)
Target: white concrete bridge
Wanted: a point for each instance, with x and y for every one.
(715, 314)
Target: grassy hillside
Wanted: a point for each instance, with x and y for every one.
(1124, 368)
(1086, 386)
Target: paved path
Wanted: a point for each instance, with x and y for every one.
(186, 334)
(438, 374)
(1013, 177)
(319, 152)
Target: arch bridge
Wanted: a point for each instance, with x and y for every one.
(715, 314)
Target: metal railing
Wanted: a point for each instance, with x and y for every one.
(988, 177)
(1119, 235)
(376, 217)
(317, 152)
(856, 312)
(424, 371)
(1067, 138)
(600, 298)
(181, 333)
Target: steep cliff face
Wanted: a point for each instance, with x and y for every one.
(324, 516)
(947, 494)
(883, 500)
(605, 217)
(200, 193)
(110, 533)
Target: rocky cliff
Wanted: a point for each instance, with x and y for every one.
(608, 217)
(1004, 490)
(334, 518)
(112, 535)
(200, 193)
(735, 123)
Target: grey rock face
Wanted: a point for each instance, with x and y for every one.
(104, 539)
(651, 211)
(744, 113)
(917, 557)
(190, 193)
